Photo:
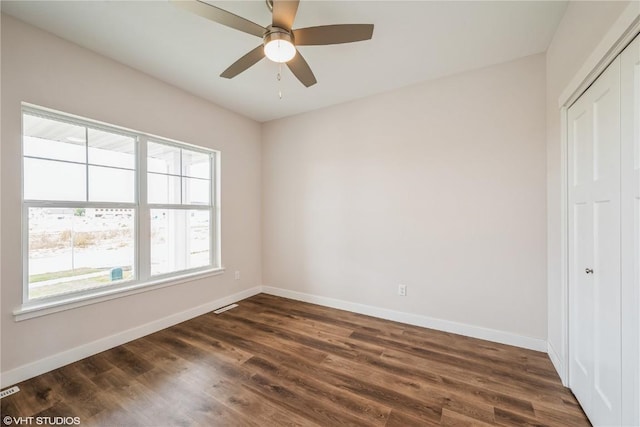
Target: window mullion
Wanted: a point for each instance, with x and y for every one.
(181, 180)
(179, 207)
(86, 158)
(213, 214)
(72, 204)
(25, 253)
(144, 216)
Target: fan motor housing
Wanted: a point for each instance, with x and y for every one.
(277, 33)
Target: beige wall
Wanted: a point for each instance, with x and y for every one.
(583, 26)
(41, 69)
(440, 186)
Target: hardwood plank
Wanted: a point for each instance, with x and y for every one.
(317, 340)
(559, 417)
(223, 380)
(132, 364)
(401, 419)
(509, 393)
(322, 341)
(420, 408)
(114, 378)
(453, 419)
(489, 354)
(366, 410)
(502, 372)
(508, 418)
(405, 383)
(277, 362)
(260, 342)
(72, 386)
(92, 366)
(180, 397)
(299, 403)
(342, 318)
(36, 395)
(308, 385)
(393, 329)
(60, 409)
(445, 378)
(287, 319)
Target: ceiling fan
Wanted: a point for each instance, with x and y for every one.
(279, 40)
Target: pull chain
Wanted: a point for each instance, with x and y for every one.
(279, 77)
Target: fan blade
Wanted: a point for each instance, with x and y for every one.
(220, 16)
(301, 70)
(332, 34)
(284, 12)
(243, 63)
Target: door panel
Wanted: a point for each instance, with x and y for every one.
(606, 312)
(581, 145)
(630, 206)
(580, 253)
(582, 354)
(606, 248)
(594, 254)
(606, 128)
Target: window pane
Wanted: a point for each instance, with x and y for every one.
(111, 149)
(163, 189)
(52, 139)
(163, 158)
(53, 180)
(74, 249)
(111, 185)
(196, 191)
(179, 240)
(199, 239)
(195, 164)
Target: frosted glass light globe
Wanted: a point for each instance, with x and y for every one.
(279, 50)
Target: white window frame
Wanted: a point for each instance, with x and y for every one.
(147, 207)
(142, 280)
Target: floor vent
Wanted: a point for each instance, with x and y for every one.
(223, 309)
(9, 391)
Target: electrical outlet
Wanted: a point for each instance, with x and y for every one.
(237, 275)
(402, 290)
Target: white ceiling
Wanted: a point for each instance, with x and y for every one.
(413, 41)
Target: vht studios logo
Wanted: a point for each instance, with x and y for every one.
(41, 421)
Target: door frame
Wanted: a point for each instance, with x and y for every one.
(623, 31)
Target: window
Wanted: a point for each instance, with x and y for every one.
(98, 215)
(179, 193)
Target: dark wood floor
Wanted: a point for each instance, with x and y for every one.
(274, 361)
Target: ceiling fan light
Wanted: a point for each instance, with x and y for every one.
(279, 49)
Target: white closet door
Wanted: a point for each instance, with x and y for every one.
(630, 121)
(594, 252)
(580, 249)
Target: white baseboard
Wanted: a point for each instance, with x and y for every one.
(557, 363)
(415, 319)
(55, 361)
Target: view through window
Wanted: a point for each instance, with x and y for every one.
(83, 207)
(179, 192)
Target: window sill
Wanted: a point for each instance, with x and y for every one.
(37, 309)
